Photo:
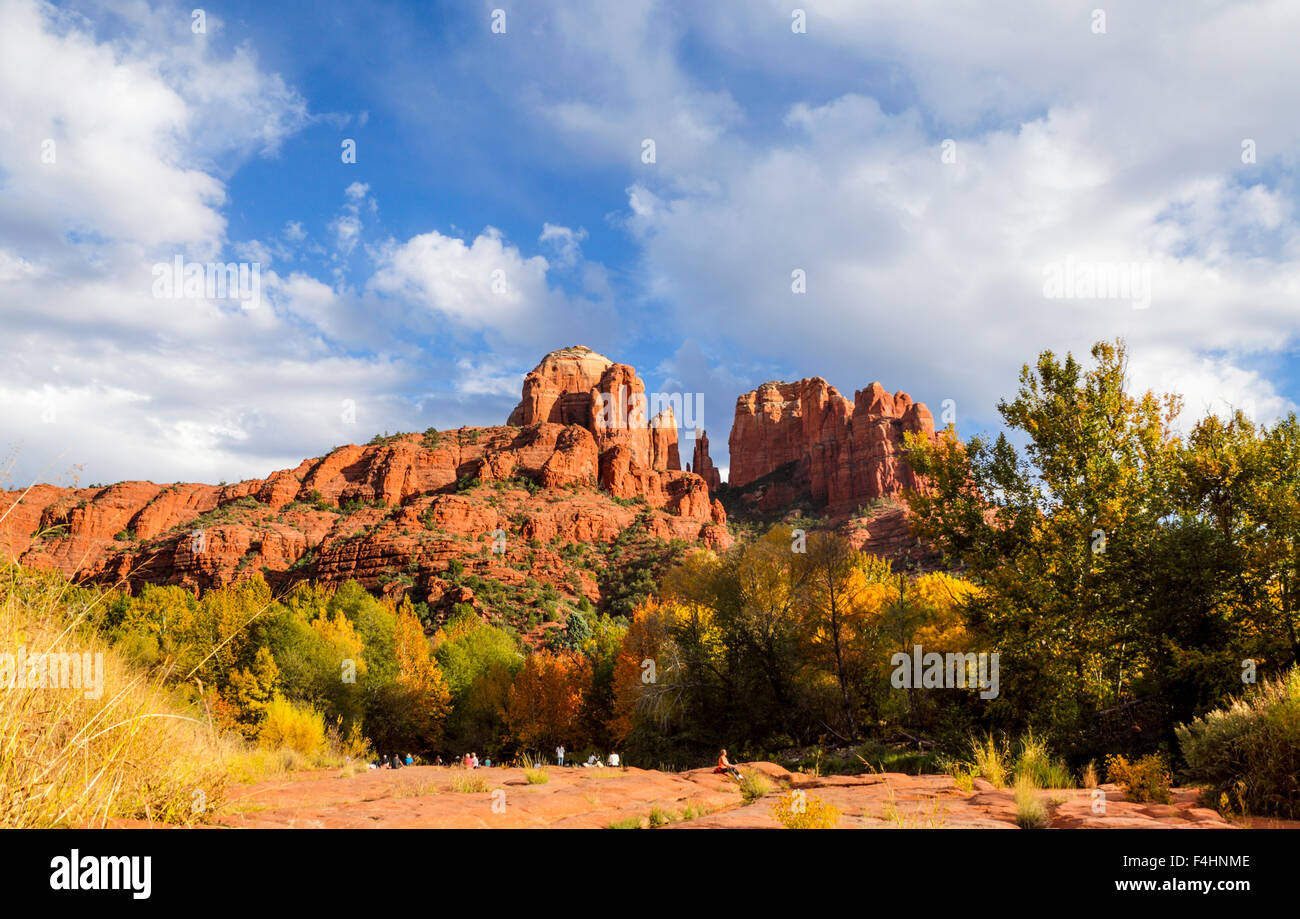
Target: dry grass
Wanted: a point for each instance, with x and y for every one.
(410, 787)
(132, 751)
(992, 759)
(534, 769)
(465, 782)
(754, 785)
(920, 817)
(1031, 809)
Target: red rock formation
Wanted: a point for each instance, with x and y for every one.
(578, 386)
(393, 513)
(842, 454)
(702, 464)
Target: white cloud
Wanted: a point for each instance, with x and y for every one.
(488, 286)
(484, 284)
(487, 379)
(1118, 149)
(566, 244)
(98, 372)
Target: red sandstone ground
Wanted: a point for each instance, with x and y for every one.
(422, 796)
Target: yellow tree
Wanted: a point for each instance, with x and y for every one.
(836, 599)
(345, 667)
(428, 700)
(249, 691)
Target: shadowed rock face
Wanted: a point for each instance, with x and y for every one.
(842, 454)
(393, 513)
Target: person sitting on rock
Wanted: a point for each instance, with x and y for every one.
(614, 760)
(725, 767)
(410, 760)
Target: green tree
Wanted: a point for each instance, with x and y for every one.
(1054, 531)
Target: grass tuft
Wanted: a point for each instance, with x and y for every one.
(1031, 809)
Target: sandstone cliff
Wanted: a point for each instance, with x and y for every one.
(805, 438)
(580, 387)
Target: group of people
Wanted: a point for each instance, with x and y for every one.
(471, 761)
(592, 760)
(393, 762)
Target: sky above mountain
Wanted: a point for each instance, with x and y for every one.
(942, 182)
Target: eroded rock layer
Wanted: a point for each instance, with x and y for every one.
(807, 438)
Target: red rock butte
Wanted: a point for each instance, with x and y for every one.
(842, 454)
(393, 513)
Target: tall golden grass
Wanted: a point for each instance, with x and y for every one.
(135, 752)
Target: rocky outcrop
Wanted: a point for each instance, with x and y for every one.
(806, 438)
(582, 798)
(392, 514)
(702, 464)
(577, 386)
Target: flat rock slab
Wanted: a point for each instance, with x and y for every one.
(426, 796)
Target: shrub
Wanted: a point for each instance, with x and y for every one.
(537, 776)
(660, 817)
(294, 727)
(754, 785)
(1031, 810)
(797, 810)
(627, 823)
(1249, 752)
(1146, 779)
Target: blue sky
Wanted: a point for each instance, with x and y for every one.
(1117, 146)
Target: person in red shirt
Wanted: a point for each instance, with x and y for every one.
(725, 767)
